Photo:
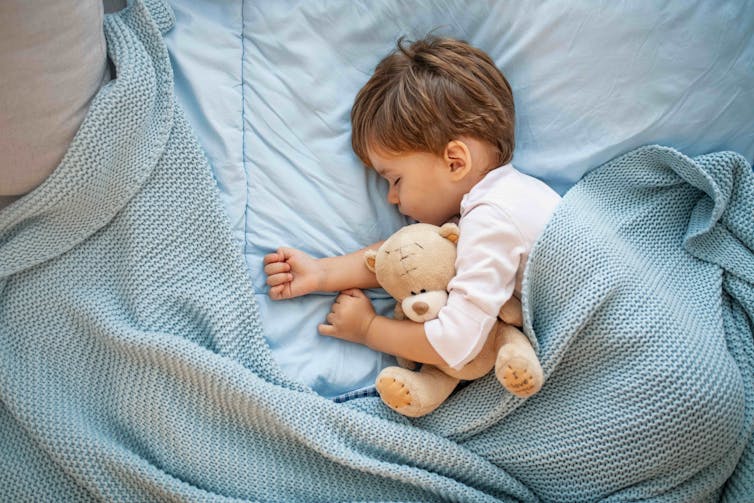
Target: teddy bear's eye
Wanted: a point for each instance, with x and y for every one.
(423, 291)
(413, 292)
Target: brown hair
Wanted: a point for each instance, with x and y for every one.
(429, 92)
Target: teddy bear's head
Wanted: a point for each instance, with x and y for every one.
(415, 266)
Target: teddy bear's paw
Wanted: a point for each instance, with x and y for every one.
(520, 376)
(393, 392)
(414, 394)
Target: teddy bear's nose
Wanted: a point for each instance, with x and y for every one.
(420, 307)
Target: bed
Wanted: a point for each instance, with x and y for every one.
(270, 99)
(161, 370)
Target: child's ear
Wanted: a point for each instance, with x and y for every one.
(457, 158)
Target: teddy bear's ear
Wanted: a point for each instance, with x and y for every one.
(370, 259)
(450, 232)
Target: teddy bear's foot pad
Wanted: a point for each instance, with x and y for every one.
(414, 394)
(519, 376)
(393, 392)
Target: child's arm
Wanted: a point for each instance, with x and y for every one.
(292, 273)
(353, 319)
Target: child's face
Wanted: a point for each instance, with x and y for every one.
(420, 185)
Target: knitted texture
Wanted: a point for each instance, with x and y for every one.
(641, 294)
(133, 365)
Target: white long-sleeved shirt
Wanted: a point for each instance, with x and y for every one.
(501, 218)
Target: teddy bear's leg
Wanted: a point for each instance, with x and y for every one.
(414, 394)
(517, 366)
(511, 312)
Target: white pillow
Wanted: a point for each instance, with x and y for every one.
(53, 61)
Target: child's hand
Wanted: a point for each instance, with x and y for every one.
(292, 273)
(350, 317)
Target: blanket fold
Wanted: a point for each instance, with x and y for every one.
(133, 364)
(668, 353)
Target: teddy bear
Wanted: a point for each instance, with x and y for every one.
(414, 266)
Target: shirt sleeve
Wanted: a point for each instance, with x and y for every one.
(490, 251)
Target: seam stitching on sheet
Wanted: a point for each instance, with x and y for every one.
(243, 130)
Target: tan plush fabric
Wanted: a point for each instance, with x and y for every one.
(52, 63)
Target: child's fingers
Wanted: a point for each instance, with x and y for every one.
(276, 292)
(342, 299)
(353, 292)
(276, 268)
(279, 279)
(284, 253)
(325, 329)
(272, 257)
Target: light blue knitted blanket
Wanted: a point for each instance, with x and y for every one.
(133, 367)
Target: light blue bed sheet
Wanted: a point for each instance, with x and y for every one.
(268, 87)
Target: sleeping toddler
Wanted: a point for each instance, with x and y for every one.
(436, 120)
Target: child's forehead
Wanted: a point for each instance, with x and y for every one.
(384, 171)
(381, 158)
(388, 156)
(390, 164)
(379, 151)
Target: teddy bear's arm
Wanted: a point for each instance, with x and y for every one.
(511, 312)
(398, 314)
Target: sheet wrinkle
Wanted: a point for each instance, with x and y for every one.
(244, 158)
(301, 148)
